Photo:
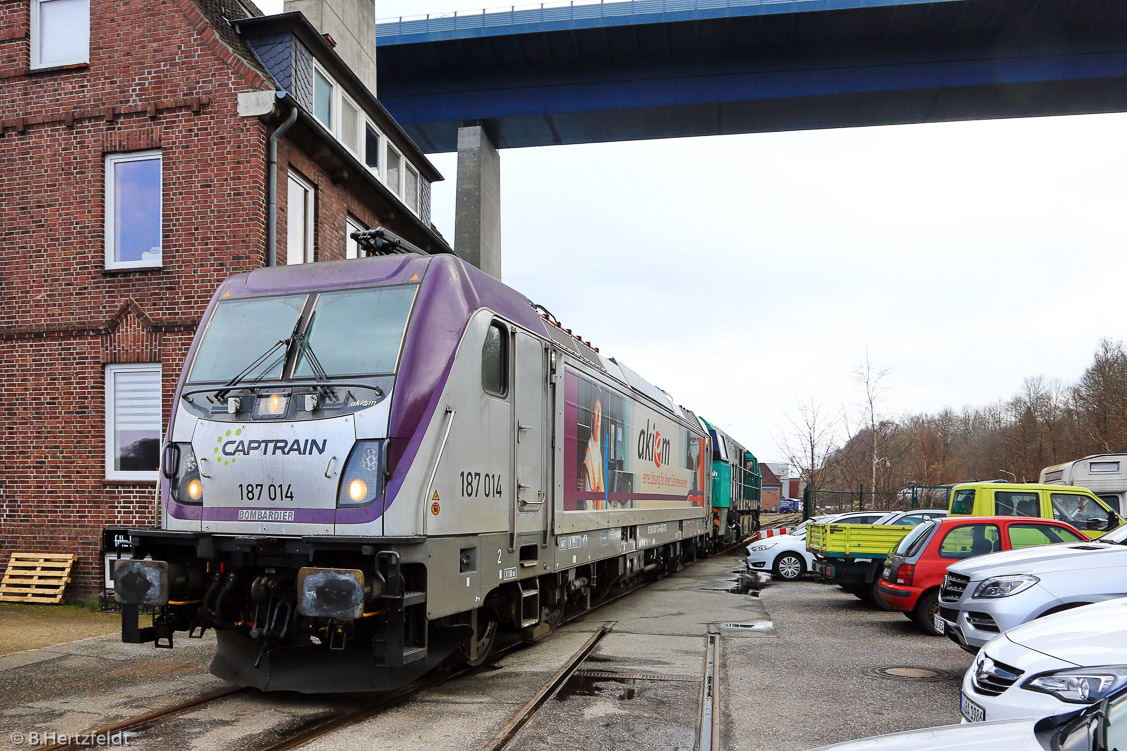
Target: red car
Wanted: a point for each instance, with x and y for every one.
(914, 571)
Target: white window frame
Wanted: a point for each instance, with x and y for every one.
(35, 39)
(111, 251)
(380, 150)
(407, 165)
(334, 96)
(398, 188)
(111, 372)
(310, 214)
(352, 224)
(361, 122)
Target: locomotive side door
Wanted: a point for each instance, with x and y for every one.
(530, 433)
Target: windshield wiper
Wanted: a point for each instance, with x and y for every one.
(222, 393)
(305, 349)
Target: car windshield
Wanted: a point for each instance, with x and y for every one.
(1117, 536)
(907, 546)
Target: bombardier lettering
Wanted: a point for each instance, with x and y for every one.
(308, 447)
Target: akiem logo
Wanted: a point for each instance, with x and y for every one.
(233, 447)
(651, 446)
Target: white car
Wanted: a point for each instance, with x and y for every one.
(983, 596)
(1050, 666)
(1102, 727)
(910, 518)
(786, 555)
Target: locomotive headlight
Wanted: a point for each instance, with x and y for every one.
(186, 484)
(358, 490)
(362, 479)
(271, 406)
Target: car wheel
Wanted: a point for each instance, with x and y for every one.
(789, 566)
(925, 611)
(863, 592)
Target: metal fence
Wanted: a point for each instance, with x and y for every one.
(840, 501)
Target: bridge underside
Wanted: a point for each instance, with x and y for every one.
(694, 76)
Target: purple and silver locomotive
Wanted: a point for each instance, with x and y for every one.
(375, 465)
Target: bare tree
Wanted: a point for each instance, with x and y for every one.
(874, 388)
(810, 442)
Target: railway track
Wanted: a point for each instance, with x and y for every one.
(319, 727)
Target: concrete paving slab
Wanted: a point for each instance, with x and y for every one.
(661, 654)
(421, 725)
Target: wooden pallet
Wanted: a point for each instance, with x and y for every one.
(36, 577)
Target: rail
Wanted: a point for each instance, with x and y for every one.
(506, 735)
(595, 10)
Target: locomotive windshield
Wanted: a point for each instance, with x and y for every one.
(348, 333)
(239, 331)
(357, 332)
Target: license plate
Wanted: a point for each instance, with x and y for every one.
(940, 624)
(970, 710)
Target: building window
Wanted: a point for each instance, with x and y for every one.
(60, 32)
(372, 149)
(133, 421)
(323, 98)
(133, 210)
(394, 169)
(351, 247)
(299, 221)
(351, 125)
(411, 188)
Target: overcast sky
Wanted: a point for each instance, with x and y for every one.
(743, 273)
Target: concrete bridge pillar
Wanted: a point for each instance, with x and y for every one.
(477, 214)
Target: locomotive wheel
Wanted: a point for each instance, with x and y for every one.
(554, 614)
(483, 639)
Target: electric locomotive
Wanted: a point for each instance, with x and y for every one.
(372, 466)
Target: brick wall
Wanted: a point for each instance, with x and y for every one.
(157, 79)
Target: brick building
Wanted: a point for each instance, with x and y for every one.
(772, 489)
(135, 143)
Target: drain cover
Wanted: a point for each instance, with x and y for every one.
(911, 673)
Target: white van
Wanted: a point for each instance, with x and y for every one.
(1103, 474)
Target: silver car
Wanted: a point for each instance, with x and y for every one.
(983, 596)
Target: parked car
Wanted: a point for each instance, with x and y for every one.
(910, 518)
(790, 504)
(915, 570)
(1101, 727)
(1077, 506)
(1050, 666)
(985, 596)
(786, 555)
(852, 556)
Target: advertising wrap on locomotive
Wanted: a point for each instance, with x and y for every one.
(373, 466)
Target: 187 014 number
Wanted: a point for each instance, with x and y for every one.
(257, 491)
(480, 485)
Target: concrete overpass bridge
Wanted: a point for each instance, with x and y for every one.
(587, 72)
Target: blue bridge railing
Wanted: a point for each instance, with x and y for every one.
(588, 10)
